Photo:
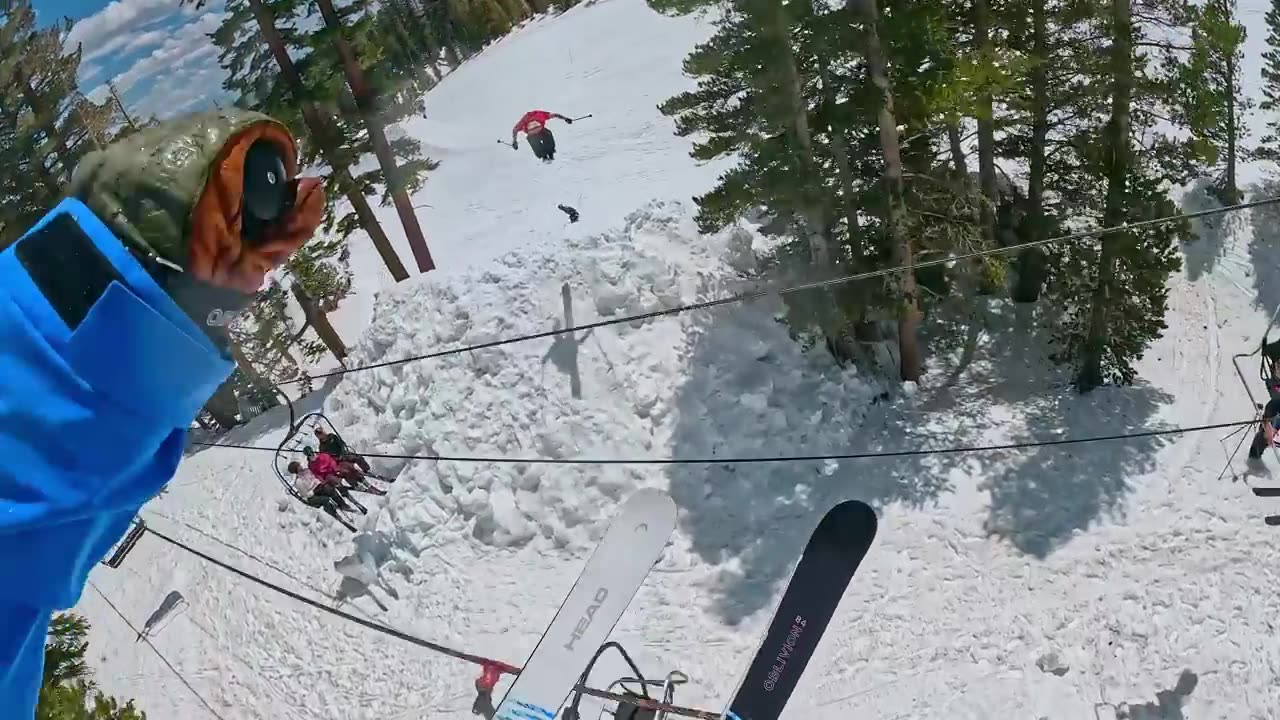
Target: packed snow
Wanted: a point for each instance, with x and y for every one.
(1107, 580)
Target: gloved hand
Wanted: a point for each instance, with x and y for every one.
(569, 120)
(514, 146)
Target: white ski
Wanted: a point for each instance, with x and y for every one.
(597, 600)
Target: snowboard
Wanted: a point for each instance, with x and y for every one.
(613, 574)
(831, 557)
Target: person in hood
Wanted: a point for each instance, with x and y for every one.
(332, 444)
(114, 310)
(534, 125)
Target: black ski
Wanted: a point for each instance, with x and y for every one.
(1272, 520)
(1266, 491)
(828, 563)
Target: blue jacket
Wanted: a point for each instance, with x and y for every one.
(94, 413)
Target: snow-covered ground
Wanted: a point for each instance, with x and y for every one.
(1105, 581)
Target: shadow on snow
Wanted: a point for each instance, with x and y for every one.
(753, 519)
(1264, 251)
(1208, 234)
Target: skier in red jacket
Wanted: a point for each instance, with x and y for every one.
(534, 124)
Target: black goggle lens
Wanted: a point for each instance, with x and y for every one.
(268, 194)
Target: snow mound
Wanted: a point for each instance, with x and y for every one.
(720, 382)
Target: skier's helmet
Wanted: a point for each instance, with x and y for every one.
(295, 467)
(308, 451)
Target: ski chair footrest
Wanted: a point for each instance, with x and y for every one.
(131, 538)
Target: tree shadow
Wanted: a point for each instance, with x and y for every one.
(252, 432)
(748, 394)
(1168, 704)
(1264, 251)
(1050, 492)
(1206, 245)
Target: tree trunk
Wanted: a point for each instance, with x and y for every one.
(320, 322)
(1233, 192)
(377, 137)
(959, 164)
(779, 27)
(1031, 271)
(840, 150)
(903, 254)
(223, 406)
(1114, 212)
(128, 119)
(372, 227)
(250, 371)
(323, 134)
(986, 127)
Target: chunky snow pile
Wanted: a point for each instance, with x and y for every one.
(713, 383)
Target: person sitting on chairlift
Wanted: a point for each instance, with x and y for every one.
(335, 446)
(321, 493)
(325, 465)
(1270, 422)
(1271, 364)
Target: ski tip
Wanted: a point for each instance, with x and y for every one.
(855, 522)
(653, 500)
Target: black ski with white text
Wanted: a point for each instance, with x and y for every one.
(828, 563)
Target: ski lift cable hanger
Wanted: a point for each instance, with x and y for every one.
(488, 665)
(758, 294)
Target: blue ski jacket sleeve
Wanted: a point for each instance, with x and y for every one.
(101, 374)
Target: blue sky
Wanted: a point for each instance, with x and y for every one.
(157, 53)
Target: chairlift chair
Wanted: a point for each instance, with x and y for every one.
(642, 706)
(298, 437)
(126, 544)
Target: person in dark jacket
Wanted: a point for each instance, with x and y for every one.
(1269, 425)
(334, 445)
(1271, 360)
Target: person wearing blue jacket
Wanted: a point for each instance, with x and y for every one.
(113, 334)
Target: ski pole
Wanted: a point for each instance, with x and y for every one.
(584, 117)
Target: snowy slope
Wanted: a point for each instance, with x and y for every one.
(486, 198)
(1084, 581)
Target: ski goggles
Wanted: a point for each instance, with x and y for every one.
(268, 194)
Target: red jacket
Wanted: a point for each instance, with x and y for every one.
(322, 465)
(533, 121)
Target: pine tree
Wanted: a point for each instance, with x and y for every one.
(1112, 295)
(1269, 146)
(1212, 100)
(903, 253)
(759, 95)
(46, 124)
(67, 692)
(397, 183)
